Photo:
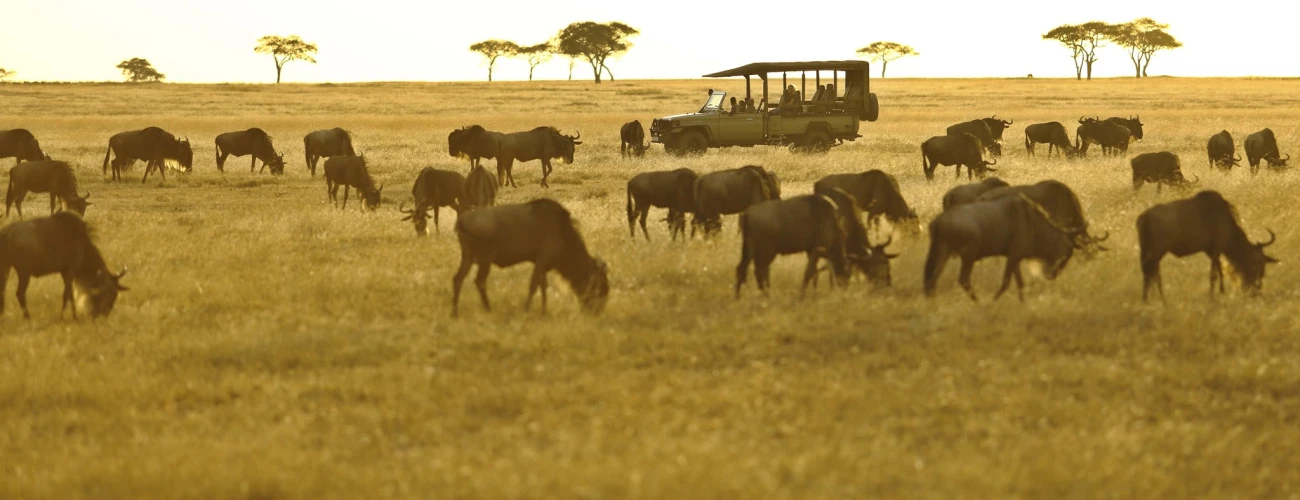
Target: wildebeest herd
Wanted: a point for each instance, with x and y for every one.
(1042, 222)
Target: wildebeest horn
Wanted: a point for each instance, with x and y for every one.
(402, 208)
(1271, 238)
(1096, 239)
(1288, 157)
(121, 274)
(993, 162)
(86, 196)
(1197, 181)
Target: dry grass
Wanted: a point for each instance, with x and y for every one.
(272, 347)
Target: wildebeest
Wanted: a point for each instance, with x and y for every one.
(671, 189)
(875, 193)
(54, 177)
(60, 244)
(326, 144)
(473, 143)
(541, 143)
(1160, 169)
(351, 172)
(152, 145)
(731, 191)
(1111, 136)
(1051, 133)
(1133, 124)
(433, 189)
(968, 193)
(1262, 145)
(997, 126)
(956, 150)
(633, 142)
(1222, 151)
(1013, 227)
(981, 131)
(1061, 204)
(254, 142)
(1205, 223)
(810, 224)
(872, 260)
(540, 231)
(21, 145)
(480, 189)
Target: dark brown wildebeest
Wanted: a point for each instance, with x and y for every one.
(1262, 145)
(473, 143)
(1160, 169)
(1112, 137)
(480, 189)
(1013, 227)
(1222, 151)
(1062, 206)
(541, 143)
(997, 126)
(968, 193)
(731, 191)
(875, 193)
(633, 138)
(871, 260)
(1133, 124)
(152, 145)
(959, 150)
(1205, 223)
(254, 142)
(351, 172)
(54, 177)
(326, 144)
(21, 145)
(60, 244)
(540, 231)
(1051, 133)
(981, 131)
(810, 224)
(433, 189)
(671, 189)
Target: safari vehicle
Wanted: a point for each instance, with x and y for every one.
(810, 122)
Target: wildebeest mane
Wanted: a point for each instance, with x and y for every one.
(574, 253)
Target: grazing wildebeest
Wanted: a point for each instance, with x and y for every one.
(21, 145)
(811, 224)
(540, 231)
(326, 144)
(351, 171)
(60, 244)
(1111, 136)
(473, 143)
(1132, 123)
(671, 189)
(54, 177)
(1262, 145)
(1013, 227)
(1221, 151)
(956, 150)
(541, 143)
(731, 191)
(480, 189)
(254, 142)
(153, 145)
(871, 260)
(433, 189)
(1053, 134)
(968, 193)
(981, 131)
(633, 136)
(1160, 169)
(1062, 206)
(1205, 223)
(997, 126)
(876, 193)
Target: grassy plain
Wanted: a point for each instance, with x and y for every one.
(273, 347)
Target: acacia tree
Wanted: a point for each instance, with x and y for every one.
(1083, 40)
(492, 49)
(139, 70)
(535, 55)
(595, 42)
(6, 73)
(284, 49)
(884, 52)
(1142, 38)
(1069, 36)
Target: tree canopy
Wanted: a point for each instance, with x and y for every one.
(6, 73)
(1142, 38)
(140, 70)
(884, 52)
(284, 49)
(493, 49)
(535, 55)
(595, 42)
(1083, 40)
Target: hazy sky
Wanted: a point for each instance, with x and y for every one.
(380, 40)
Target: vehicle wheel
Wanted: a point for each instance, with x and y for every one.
(816, 141)
(692, 143)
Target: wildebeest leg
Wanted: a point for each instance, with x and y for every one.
(456, 281)
(967, 266)
(148, 166)
(810, 272)
(435, 219)
(763, 271)
(346, 189)
(546, 171)
(1012, 267)
(253, 164)
(480, 281)
(1151, 276)
(538, 281)
(742, 269)
(23, 281)
(1216, 273)
(51, 202)
(67, 296)
(645, 213)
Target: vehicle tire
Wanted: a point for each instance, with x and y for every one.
(816, 141)
(873, 108)
(692, 143)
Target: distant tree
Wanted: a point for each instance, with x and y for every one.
(492, 49)
(535, 55)
(595, 42)
(6, 73)
(140, 70)
(1142, 38)
(284, 49)
(884, 52)
(1083, 40)
(1070, 37)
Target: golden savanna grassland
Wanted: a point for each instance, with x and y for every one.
(274, 347)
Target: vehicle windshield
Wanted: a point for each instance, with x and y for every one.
(714, 104)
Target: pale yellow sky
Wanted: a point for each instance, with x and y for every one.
(381, 40)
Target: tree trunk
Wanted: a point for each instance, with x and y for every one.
(278, 67)
(1078, 68)
(595, 68)
(530, 71)
(572, 61)
(884, 65)
(1090, 61)
(607, 71)
(1145, 64)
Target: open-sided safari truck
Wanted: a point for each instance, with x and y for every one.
(803, 118)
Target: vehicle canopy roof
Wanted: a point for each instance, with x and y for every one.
(779, 67)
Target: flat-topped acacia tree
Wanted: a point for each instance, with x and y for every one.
(284, 49)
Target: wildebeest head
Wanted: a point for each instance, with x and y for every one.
(876, 264)
(419, 216)
(78, 204)
(1250, 266)
(372, 197)
(276, 164)
(98, 293)
(185, 154)
(1056, 242)
(596, 291)
(1275, 162)
(997, 125)
(1135, 126)
(566, 145)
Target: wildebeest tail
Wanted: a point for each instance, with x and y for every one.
(935, 259)
(9, 195)
(306, 151)
(630, 208)
(925, 166)
(107, 153)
